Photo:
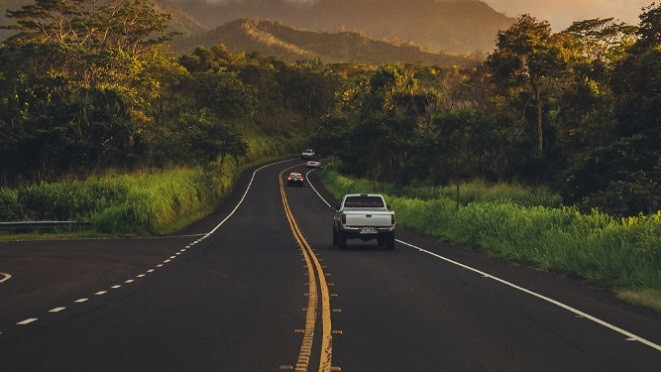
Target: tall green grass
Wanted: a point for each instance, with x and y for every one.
(138, 203)
(469, 192)
(143, 202)
(530, 227)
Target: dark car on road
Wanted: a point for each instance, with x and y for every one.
(295, 179)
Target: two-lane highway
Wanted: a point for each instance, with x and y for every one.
(259, 287)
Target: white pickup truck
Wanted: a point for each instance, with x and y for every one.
(364, 217)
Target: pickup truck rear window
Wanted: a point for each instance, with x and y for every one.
(363, 202)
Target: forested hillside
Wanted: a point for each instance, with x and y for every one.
(458, 26)
(291, 45)
(99, 122)
(577, 111)
(89, 88)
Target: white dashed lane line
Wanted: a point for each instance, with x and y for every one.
(27, 321)
(4, 277)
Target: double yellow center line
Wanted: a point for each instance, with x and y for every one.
(315, 273)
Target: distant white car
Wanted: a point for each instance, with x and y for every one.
(307, 154)
(314, 164)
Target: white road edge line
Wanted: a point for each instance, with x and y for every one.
(245, 193)
(627, 334)
(577, 312)
(307, 177)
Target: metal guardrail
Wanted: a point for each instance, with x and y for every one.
(42, 225)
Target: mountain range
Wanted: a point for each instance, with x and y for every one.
(363, 31)
(292, 44)
(457, 26)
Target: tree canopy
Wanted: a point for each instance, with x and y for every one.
(88, 86)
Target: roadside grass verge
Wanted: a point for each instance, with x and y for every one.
(623, 254)
(141, 203)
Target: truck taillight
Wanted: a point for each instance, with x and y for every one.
(392, 219)
(344, 219)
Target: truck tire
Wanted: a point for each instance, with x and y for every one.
(341, 240)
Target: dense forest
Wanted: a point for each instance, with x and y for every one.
(90, 87)
(578, 111)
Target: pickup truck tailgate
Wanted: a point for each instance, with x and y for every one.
(368, 219)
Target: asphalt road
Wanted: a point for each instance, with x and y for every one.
(267, 291)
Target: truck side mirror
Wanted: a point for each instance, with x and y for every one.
(336, 207)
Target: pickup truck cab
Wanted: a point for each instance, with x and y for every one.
(364, 217)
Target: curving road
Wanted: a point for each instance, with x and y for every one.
(258, 286)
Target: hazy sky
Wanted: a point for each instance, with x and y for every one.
(561, 13)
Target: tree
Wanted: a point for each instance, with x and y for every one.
(75, 85)
(224, 94)
(602, 40)
(650, 27)
(212, 139)
(125, 26)
(466, 145)
(526, 56)
(621, 175)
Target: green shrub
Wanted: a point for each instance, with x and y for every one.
(10, 208)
